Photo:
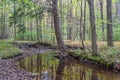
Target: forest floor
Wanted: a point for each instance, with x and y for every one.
(9, 69)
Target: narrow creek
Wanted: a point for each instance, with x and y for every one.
(47, 67)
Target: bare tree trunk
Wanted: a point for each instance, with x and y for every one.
(52, 29)
(81, 33)
(93, 27)
(37, 23)
(101, 10)
(40, 30)
(69, 21)
(109, 24)
(2, 21)
(14, 21)
(84, 24)
(40, 26)
(31, 27)
(58, 33)
(118, 9)
(61, 17)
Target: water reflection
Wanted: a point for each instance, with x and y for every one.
(47, 67)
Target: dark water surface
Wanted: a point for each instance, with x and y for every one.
(47, 67)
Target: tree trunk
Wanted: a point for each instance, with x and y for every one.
(2, 21)
(14, 21)
(61, 17)
(93, 27)
(84, 24)
(101, 10)
(37, 23)
(109, 24)
(31, 27)
(81, 33)
(69, 21)
(118, 9)
(58, 33)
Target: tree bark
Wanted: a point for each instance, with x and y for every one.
(101, 10)
(37, 23)
(14, 21)
(84, 24)
(81, 25)
(2, 21)
(109, 24)
(93, 27)
(69, 20)
(118, 9)
(58, 32)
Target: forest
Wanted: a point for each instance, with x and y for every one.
(59, 40)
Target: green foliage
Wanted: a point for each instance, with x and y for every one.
(7, 50)
(26, 35)
(108, 57)
(116, 31)
(111, 54)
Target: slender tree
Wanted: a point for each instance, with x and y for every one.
(2, 21)
(37, 23)
(84, 24)
(81, 24)
(118, 9)
(93, 27)
(69, 21)
(109, 24)
(102, 17)
(14, 20)
(58, 32)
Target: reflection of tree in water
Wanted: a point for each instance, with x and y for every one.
(72, 69)
(60, 69)
(39, 65)
(63, 63)
(49, 68)
(94, 75)
(82, 74)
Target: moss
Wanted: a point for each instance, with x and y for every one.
(91, 58)
(7, 50)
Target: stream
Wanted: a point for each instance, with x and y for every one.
(47, 67)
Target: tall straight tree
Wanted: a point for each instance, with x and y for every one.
(118, 9)
(14, 21)
(93, 27)
(81, 25)
(58, 32)
(102, 17)
(109, 24)
(84, 24)
(2, 21)
(69, 20)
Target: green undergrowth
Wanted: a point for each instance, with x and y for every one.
(108, 56)
(7, 50)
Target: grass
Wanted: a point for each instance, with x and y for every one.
(7, 50)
